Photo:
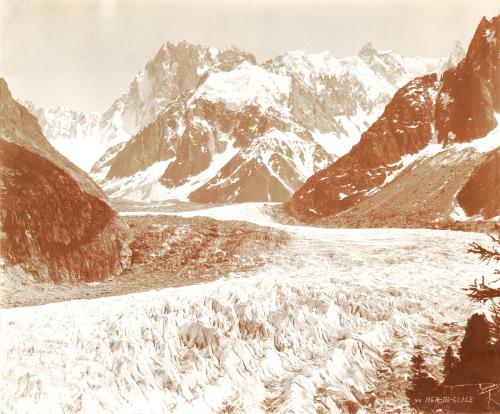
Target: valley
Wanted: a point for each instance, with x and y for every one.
(290, 232)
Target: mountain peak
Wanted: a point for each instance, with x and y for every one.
(4, 90)
(182, 44)
(458, 47)
(485, 37)
(457, 51)
(367, 49)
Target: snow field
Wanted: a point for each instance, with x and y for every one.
(246, 84)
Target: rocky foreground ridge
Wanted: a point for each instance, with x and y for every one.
(55, 221)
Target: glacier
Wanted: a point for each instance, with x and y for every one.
(304, 334)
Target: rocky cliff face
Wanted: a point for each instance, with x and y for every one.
(480, 195)
(404, 128)
(84, 137)
(325, 92)
(424, 193)
(425, 117)
(55, 222)
(469, 97)
(339, 98)
(319, 107)
(175, 69)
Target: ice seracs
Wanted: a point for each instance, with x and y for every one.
(332, 329)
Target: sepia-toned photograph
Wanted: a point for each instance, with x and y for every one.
(249, 206)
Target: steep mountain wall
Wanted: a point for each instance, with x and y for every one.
(55, 222)
(404, 128)
(470, 92)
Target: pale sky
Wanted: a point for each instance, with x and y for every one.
(84, 53)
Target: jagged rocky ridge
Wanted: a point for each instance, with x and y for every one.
(55, 222)
(215, 138)
(421, 162)
(83, 137)
(318, 85)
(256, 133)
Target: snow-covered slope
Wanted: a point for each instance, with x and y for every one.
(330, 331)
(341, 97)
(247, 84)
(76, 135)
(231, 139)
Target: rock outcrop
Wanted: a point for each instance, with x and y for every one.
(320, 104)
(480, 195)
(424, 194)
(220, 143)
(84, 137)
(55, 222)
(469, 95)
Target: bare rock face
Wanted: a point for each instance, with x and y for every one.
(469, 97)
(18, 125)
(84, 137)
(480, 193)
(55, 222)
(328, 96)
(404, 128)
(256, 155)
(253, 132)
(263, 170)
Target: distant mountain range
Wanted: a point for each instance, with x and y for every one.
(212, 125)
(432, 156)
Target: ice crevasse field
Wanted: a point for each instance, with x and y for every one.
(334, 318)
